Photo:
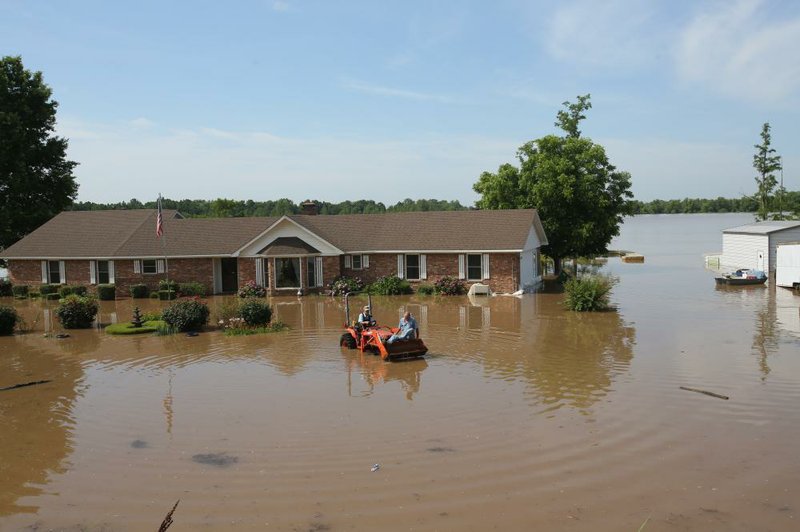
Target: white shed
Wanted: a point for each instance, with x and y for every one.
(755, 245)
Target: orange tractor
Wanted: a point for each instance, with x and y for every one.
(374, 339)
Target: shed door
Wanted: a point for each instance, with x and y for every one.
(761, 260)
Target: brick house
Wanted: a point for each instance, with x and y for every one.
(306, 251)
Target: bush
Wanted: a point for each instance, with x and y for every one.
(8, 320)
(6, 288)
(588, 293)
(20, 291)
(139, 291)
(186, 315)
(52, 297)
(450, 286)
(167, 295)
(154, 295)
(192, 289)
(342, 285)
(252, 289)
(389, 286)
(163, 284)
(255, 312)
(66, 290)
(425, 289)
(76, 312)
(46, 289)
(106, 292)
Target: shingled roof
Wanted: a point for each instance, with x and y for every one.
(131, 233)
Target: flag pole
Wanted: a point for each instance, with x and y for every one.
(160, 234)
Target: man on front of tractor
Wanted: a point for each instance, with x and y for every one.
(365, 318)
(408, 329)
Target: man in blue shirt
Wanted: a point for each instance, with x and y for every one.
(408, 329)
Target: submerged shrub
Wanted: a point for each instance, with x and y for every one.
(255, 312)
(450, 286)
(252, 289)
(186, 315)
(76, 312)
(66, 290)
(425, 289)
(167, 295)
(106, 292)
(6, 288)
(8, 320)
(139, 291)
(47, 289)
(164, 284)
(343, 285)
(588, 293)
(390, 285)
(20, 291)
(192, 289)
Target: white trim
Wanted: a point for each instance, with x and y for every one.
(485, 264)
(347, 261)
(423, 267)
(45, 270)
(62, 271)
(432, 251)
(461, 267)
(260, 271)
(318, 271)
(365, 261)
(161, 267)
(281, 219)
(401, 266)
(111, 272)
(93, 272)
(137, 266)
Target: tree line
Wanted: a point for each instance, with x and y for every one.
(228, 208)
(791, 203)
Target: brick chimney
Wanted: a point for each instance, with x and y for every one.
(309, 207)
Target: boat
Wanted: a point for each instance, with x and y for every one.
(742, 277)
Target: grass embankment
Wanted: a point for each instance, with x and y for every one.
(246, 331)
(128, 328)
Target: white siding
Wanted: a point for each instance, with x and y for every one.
(786, 236)
(741, 250)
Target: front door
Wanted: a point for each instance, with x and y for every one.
(230, 275)
(761, 260)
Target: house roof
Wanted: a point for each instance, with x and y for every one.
(288, 245)
(764, 228)
(131, 234)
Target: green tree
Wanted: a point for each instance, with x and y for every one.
(766, 163)
(581, 197)
(36, 180)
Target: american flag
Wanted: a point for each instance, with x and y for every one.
(159, 220)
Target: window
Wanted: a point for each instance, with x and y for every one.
(474, 268)
(103, 272)
(287, 273)
(311, 272)
(412, 267)
(149, 266)
(356, 262)
(53, 272)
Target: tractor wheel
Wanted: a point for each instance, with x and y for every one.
(348, 341)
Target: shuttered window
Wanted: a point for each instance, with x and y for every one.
(474, 267)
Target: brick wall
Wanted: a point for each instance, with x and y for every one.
(180, 270)
(27, 272)
(503, 269)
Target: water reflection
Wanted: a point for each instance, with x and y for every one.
(37, 421)
(375, 372)
(776, 320)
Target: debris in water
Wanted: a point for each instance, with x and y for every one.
(192, 333)
(139, 444)
(24, 384)
(165, 524)
(62, 335)
(375, 467)
(712, 394)
(441, 450)
(216, 459)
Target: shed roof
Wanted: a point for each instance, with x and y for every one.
(764, 228)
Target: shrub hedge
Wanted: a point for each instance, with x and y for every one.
(588, 293)
(77, 312)
(139, 291)
(106, 292)
(192, 289)
(450, 286)
(167, 295)
(52, 297)
(252, 289)
(8, 320)
(186, 315)
(425, 289)
(46, 289)
(163, 284)
(342, 285)
(389, 285)
(66, 290)
(6, 288)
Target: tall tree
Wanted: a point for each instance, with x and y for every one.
(581, 197)
(766, 163)
(36, 180)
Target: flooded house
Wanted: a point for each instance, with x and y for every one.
(499, 248)
(755, 245)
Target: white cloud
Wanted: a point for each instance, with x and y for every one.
(117, 163)
(381, 90)
(612, 33)
(142, 122)
(734, 49)
(280, 6)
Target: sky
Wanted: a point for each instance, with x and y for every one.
(409, 99)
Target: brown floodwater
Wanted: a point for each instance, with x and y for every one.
(523, 416)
